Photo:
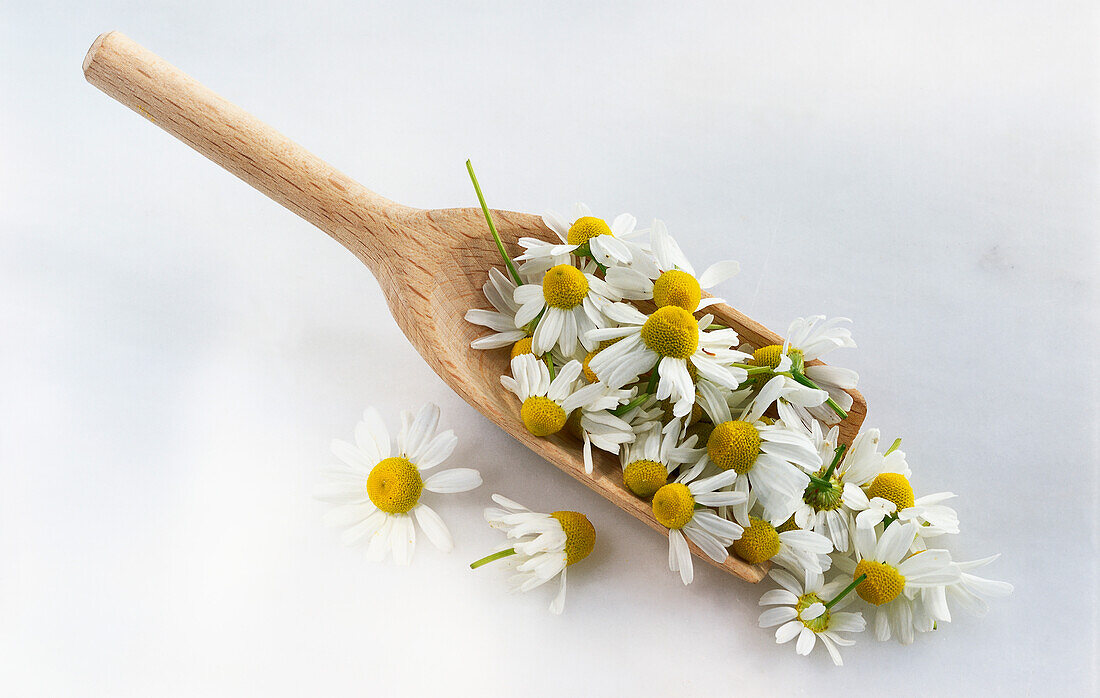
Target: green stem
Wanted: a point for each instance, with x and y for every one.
(889, 519)
(836, 459)
(623, 409)
(492, 227)
(893, 446)
(492, 558)
(804, 380)
(550, 365)
(855, 583)
(653, 377)
(753, 370)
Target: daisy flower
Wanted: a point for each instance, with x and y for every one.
(772, 459)
(545, 403)
(672, 342)
(891, 575)
(499, 291)
(809, 339)
(544, 545)
(653, 456)
(597, 425)
(673, 281)
(586, 236)
(821, 508)
(810, 611)
(378, 490)
(565, 307)
(970, 592)
(685, 508)
(799, 551)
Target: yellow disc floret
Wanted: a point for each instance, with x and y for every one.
(589, 374)
(586, 228)
(788, 525)
(673, 505)
(394, 485)
(671, 331)
(580, 535)
(542, 416)
(734, 445)
(645, 477)
(819, 624)
(523, 346)
(758, 543)
(892, 487)
(770, 355)
(564, 286)
(679, 288)
(883, 583)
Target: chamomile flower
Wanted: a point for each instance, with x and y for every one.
(685, 508)
(543, 545)
(499, 291)
(809, 339)
(595, 424)
(674, 281)
(545, 403)
(797, 550)
(821, 508)
(653, 456)
(586, 236)
(772, 459)
(892, 575)
(810, 611)
(672, 342)
(570, 302)
(378, 490)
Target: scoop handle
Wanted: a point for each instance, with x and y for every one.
(359, 219)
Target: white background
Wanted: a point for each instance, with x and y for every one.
(176, 351)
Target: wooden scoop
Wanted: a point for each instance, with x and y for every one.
(430, 264)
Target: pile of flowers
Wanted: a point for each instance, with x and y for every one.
(736, 447)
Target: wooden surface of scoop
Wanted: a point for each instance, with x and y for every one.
(430, 265)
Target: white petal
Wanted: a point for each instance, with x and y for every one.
(434, 528)
(453, 480)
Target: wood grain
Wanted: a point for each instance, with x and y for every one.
(430, 264)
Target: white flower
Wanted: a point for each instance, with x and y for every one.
(814, 337)
(800, 611)
(378, 490)
(821, 508)
(653, 456)
(571, 302)
(586, 235)
(599, 426)
(797, 550)
(545, 403)
(771, 459)
(673, 281)
(543, 546)
(499, 290)
(685, 508)
(894, 575)
(667, 340)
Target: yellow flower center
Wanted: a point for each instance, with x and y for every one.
(893, 487)
(586, 228)
(770, 355)
(564, 286)
(580, 535)
(645, 477)
(394, 485)
(671, 331)
(542, 416)
(758, 543)
(734, 445)
(679, 288)
(673, 505)
(819, 624)
(883, 583)
(589, 374)
(523, 346)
